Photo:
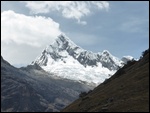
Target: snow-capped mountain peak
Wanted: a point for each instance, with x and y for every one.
(67, 60)
(125, 59)
(62, 42)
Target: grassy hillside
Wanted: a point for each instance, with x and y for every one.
(126, 91)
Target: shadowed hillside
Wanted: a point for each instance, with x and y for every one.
(126, 91)
(30, 89)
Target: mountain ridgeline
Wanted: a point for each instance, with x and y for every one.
(31, 89)
(86, 58)
(126, 91)
(57, 77)
(86, 66)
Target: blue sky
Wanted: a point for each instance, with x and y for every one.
(122, 28)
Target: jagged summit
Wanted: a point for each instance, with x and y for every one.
(70, 61)
(62, 42)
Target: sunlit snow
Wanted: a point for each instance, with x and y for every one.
(65, 59)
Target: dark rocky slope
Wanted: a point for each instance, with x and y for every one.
(125, 91)
(30, 89)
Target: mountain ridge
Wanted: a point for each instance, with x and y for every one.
(126, 91)
(31, 89)
(83, 65)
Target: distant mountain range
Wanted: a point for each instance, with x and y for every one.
(65, 59)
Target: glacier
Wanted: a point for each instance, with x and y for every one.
(66, 60)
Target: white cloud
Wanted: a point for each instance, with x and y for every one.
(24, 37)
(22, 29)
(101, 4)
(69, 9)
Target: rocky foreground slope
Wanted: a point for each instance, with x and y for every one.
(126, 91)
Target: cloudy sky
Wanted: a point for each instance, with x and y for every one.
(28, 27)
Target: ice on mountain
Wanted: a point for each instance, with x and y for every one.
(125, 59)
(67, 60)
